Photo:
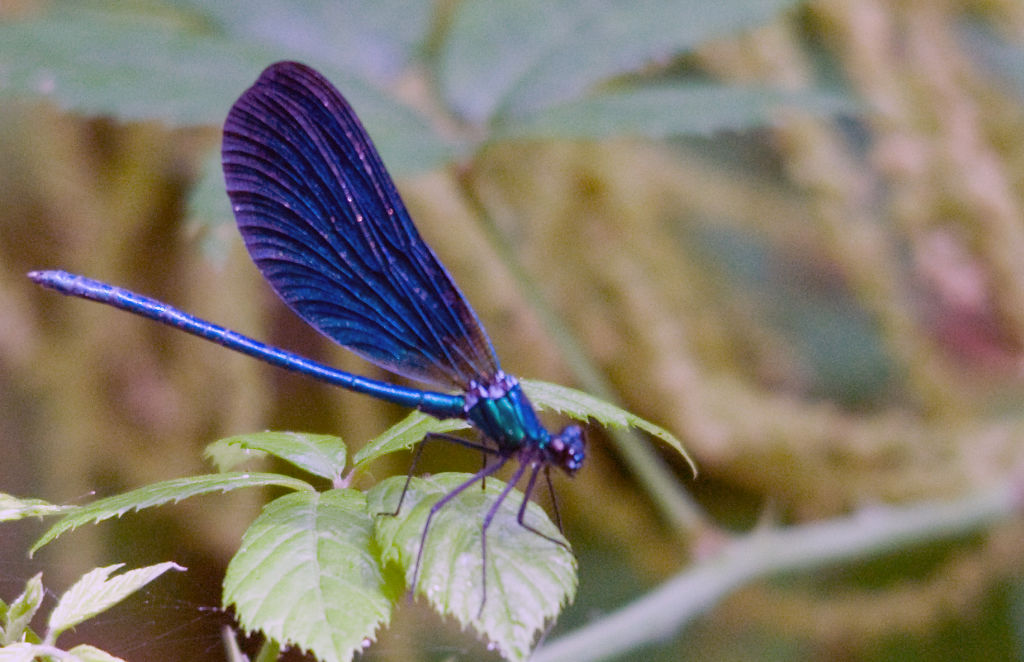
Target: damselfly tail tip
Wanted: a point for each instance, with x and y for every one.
(51, 279)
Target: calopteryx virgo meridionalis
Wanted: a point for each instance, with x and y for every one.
(326, 227)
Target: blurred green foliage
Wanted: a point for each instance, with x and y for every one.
(791, 233)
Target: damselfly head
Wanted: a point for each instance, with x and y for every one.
(567, 449)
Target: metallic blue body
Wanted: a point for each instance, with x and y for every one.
(326, 227)
(439, 405)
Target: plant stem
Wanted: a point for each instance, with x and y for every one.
(762, 553)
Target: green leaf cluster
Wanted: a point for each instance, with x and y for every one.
(95, 592)
(497, 66)
(345, 558)
(590, 70)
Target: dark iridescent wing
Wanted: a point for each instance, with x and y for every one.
(324, 224)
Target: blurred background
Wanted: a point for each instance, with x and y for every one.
(791, 233)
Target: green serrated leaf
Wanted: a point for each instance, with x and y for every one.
(404, 435)
(104, 59)
(502, 59)
(229, 457)
(96, 592)
(270, 651)
(579, 405)
(168, 491)
(23, 652)
(529, 578)
(320, 454)
(305, 575)
(17, 617)
(87, 653)
(375, 38)
(133, 65)
(583, 406)
(14, 508)
(668, 111)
